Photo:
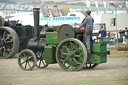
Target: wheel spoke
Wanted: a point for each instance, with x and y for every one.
(81, 53)
(75, 50)
(23, 62)
(66, 48)
(25, 65)
(63, 52)
(77, 56)
(31, 58)
(43, 63)
(64, 59)
(76, 61)
(39, 63)
(70, 62)
(72, 44)
(4, 51)
(4, 34)
(9, 50)
(68, 66)
(89, 65)
(25, 55)
(29, 64)
(8, 42)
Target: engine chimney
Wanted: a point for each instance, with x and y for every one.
(36, 12)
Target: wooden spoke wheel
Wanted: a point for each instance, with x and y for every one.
(27, 59)
(40, 59)
(9, 42)
(90, 66)
(71, 54)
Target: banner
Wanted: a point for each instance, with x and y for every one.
(57, 21)
(60, 18)
(105, 5)
(126, 2)
(96, 4)
(88, 5)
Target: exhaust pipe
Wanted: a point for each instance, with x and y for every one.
(36, 12)
(36, 43)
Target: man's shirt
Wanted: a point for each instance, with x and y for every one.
(103, 33)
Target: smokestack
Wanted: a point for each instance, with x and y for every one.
(36, 12)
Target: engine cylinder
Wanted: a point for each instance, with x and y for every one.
(36, 44)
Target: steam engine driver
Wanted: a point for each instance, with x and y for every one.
(87, 23)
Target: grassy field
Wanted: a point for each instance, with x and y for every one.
(114, 53)
(113, 72)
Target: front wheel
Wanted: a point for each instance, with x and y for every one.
(27, 59)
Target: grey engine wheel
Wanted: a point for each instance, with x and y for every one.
(9, 42)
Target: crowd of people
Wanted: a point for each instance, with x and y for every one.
(123, 33)
(103, 33)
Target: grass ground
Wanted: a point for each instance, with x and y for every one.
(114, 53)
(113, 72)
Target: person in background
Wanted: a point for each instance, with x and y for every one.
(102, 32)
(56, 12)
(113, 37)
(108, 34)
(126, 32)
(45, 10)
(47, 29)
(121, 33)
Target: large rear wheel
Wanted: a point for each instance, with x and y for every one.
(71, 54)
(9, 42)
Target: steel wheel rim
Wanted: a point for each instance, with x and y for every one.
(27, 60)
(71, 57)
(40, 62)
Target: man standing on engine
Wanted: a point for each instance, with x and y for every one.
(88, 25)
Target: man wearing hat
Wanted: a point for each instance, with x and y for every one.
(88, 25)
(102, 32)
(55, 11)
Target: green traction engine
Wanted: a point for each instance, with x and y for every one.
(64, 47)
